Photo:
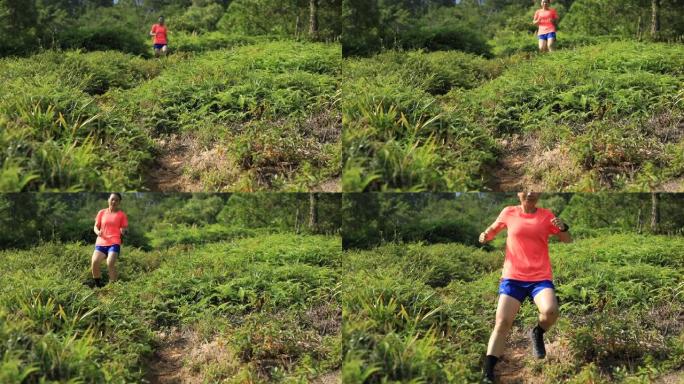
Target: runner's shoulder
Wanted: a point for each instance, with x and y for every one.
(546, 212)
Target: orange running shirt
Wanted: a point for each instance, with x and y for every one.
(545, 18)
(159, 34)
(527, 244)
(110, 224)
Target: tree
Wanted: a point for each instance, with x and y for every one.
(18, 20)
(655, 212)
(313, 212)
(313, 19)
(655, 18)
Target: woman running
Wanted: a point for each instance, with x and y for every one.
(526, 272)
(110, 224)
(547, 19)
(159, 32)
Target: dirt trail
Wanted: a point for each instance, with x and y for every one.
(508, 174)
(165, 366)
(675, 185)
(329, 378)
(181, 357)
(332, 185)
(178, 153)
(166, 175)
(513, 365)
(672, 378)
(518, 365)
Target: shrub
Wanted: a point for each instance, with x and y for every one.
(54, 328)
(103, 39)
(594, 117)
(167, 235)
(183, 42)
(619, 307)
(76, 120)
(445, 37)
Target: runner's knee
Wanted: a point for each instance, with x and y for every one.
(503, 324)
(550, 312)
(111, 261)
(96, 258)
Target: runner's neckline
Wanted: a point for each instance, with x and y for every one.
(524, 214)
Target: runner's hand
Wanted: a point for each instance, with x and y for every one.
(558, 223)
(483, 237)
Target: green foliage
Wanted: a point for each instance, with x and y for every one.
(396, 128)
(200, 18)
(508, 43)
(160, 220)
(289, 18)
(421, 121)
(629, 18)
(373, 219)
(53, 127)
(418, 313)
(373, 26)
(166, 235)
(184, 42)
(283, 302)
(103, 39)
(29, 26)
(271, 107)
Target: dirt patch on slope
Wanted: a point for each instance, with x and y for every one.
(672, 378)
(329, 378)
(181, 160)
(181, 357)
(508, 175)
(332, 185)
(518, 365)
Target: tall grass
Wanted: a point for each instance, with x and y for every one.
(276, 295)
(81, 121)
(608, 114)
(417, 313)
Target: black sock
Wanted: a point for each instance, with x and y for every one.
(540, 329)
(98, 281)
(490, 362)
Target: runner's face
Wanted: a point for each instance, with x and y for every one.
(161, 20)
(545, 4)
(528, 199)
(113, 201)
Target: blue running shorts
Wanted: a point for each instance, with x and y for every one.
(520, 290)
(546, 36)
(107, 249)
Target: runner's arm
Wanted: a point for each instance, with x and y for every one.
(564, 237)
(98, 222)
(124, 224)
(490, 233)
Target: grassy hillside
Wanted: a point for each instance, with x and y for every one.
(600, 117)
(416, 313)
(255, 115)
(258, 309)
